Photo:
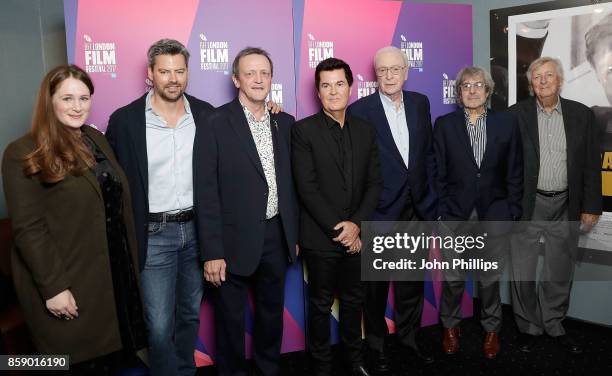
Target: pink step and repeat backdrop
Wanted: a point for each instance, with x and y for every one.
(109, 39)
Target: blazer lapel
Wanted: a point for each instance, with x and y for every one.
(568, 121)
(279, 148)
(491, 135)
(462, 134)
(532, 124)
(411, 120)
(377, 112)
(240, 125)
(137, 129)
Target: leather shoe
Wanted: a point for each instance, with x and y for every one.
(379, 362)
(491, 345)
(419, 353)
(450, 342)
(359, 371)
(569, 344)
(526, 342)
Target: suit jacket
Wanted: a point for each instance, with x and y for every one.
(60, 243)
(495, 189)
(400, 181)
(127, 135)
(320, 182)
(231, 192)
(583, 158)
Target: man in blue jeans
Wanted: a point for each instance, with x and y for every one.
(153, 140)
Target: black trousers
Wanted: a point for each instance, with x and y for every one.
(408, 309)
(408, 303)
(330, 272)
(268, 285)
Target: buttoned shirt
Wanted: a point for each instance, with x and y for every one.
(553, 149)
(344, 146)
(396, 117)
(262, 135)
(169, 156)
(477, 132)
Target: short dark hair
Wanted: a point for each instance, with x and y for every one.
(250, 51)
(167, 47)
(332, 64)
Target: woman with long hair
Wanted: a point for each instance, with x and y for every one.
(75, 252)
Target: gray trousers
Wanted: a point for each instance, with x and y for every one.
(541, 307)
(453, 287)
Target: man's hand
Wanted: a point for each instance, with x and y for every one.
(297, 250)
(63, 306)
(350, 232)
(355, 247)
(587, 221)
(274, 107)
(214, 271)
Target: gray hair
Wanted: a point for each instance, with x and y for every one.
(470, 72)
(391, 49)
(597, 35)
(167, 47)
(538, 63)
(250, 51)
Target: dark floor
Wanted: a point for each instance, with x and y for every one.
(547, 359)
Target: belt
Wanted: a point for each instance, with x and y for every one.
(551, 193)
(182, 216)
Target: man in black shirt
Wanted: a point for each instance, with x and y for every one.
(337, 177)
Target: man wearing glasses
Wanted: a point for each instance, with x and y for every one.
(479, 184)
(403, 128)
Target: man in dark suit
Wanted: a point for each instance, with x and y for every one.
(562, 196)
(337, 176)
(152, 138)
(247, 215)
(403, 129)
(479, 178)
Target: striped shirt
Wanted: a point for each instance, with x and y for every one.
(478, 135)
(553, 154)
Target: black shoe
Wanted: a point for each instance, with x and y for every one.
(359, 371)
(379, 362)
(420, 353)
(526, 342)
(569, 344)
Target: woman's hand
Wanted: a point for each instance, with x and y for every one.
(63, 306)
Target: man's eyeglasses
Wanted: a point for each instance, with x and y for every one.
(475, 85)
(395, 70)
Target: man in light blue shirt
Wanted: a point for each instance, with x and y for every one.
(153, 140)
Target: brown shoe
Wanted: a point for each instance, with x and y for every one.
(491, 345)
(450, 342)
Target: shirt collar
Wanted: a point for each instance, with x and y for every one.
(467, 116)
(557, 107)
(386, 101)
(331, 122)
(149, 105)
(252, 117)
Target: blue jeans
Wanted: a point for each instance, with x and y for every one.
(172, 286)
